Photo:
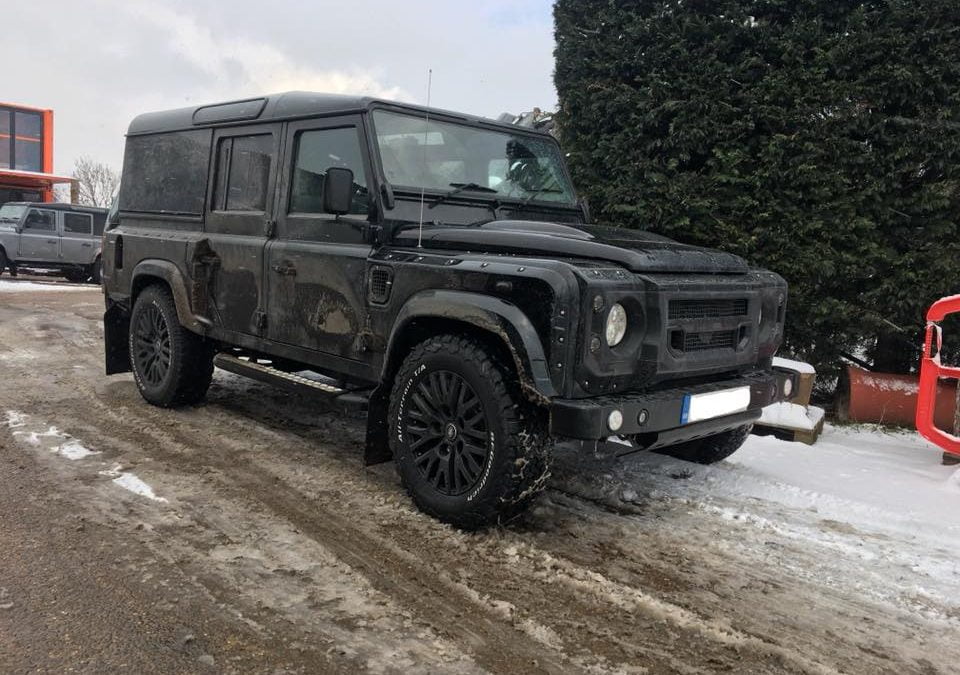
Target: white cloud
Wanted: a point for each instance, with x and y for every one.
(244, 67)
(100, 63)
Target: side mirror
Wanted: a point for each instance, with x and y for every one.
(337, 190)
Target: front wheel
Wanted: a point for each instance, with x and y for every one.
(75, 276)
(711, 449)
(170, 364)
(469, 449)
(96, 271)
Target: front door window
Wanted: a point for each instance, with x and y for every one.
(317, 151)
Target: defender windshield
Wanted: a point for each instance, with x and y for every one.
(440, 156)
(11, 212)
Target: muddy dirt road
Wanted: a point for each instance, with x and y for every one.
(244, 535)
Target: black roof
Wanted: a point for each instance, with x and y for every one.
(59, 206)
(285, 106)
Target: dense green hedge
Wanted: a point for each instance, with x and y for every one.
(819, 138)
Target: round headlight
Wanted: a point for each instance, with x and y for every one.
(616, 325)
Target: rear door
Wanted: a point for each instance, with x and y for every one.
(76, 238)
(317, 261)
(40, 239)
(239, 213)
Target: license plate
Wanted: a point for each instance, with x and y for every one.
(698, 407)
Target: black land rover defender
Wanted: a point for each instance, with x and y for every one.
(438, 269)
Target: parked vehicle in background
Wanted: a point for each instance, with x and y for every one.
(440, 269)
(62, 237)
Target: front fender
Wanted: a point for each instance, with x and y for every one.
(493, 315)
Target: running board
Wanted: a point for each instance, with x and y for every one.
(289, 381)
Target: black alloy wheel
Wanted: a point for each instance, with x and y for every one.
(448, 432)
(470, 449)
(171, 365)
(152, 345)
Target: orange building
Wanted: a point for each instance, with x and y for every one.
(26, 154)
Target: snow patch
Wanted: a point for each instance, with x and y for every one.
(798, 366)
(130, 482)
(74, 450)
(7, 286)
(15, 419)
(792, 416)
(52, 439)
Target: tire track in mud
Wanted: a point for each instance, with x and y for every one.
(494, 645)
(566, 607)
(380, 561)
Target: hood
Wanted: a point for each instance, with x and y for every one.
(636, 250)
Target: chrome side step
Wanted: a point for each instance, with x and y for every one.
(290, 381)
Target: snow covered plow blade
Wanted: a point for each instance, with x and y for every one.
(931, 370)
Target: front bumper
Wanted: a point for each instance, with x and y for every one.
(657, 416)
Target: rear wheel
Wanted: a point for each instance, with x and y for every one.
(170, 364)
(3, 261)
(711, 449)
(469, 449)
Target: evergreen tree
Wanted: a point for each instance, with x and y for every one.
(818, 138)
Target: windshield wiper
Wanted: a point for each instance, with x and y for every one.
(457, 189)
(533, 195)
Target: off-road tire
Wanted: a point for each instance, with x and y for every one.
(711, 449)
(96, 271)
(75, 276)
(3, 262)
(517, 461)
(189, 366)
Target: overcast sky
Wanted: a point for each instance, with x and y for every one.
(98, 63)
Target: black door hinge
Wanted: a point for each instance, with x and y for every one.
(269, 228)
(260, 321)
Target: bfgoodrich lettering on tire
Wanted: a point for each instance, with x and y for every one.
(170, 364)
(469, 449)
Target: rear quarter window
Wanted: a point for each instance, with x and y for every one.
(166, 173)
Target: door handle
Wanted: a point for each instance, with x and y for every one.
(86, 245)
(51, 241)
(286, 270)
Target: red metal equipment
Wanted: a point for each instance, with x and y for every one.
(931, 370)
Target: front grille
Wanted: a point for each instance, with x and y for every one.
(682, 341)
(706, 309)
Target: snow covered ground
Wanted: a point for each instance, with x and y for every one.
(864, 508)
(23, 286)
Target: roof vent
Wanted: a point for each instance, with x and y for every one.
(248, 109)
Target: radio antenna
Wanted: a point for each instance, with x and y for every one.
(426, 123)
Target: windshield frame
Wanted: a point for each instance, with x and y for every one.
(480, 124)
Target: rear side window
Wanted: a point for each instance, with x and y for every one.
(243, 173)
(78, 223)
(317, 151)
(166, 173)
(41, 219)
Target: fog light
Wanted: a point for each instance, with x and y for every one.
(642, 417)
(615, 420)
(787, 387)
